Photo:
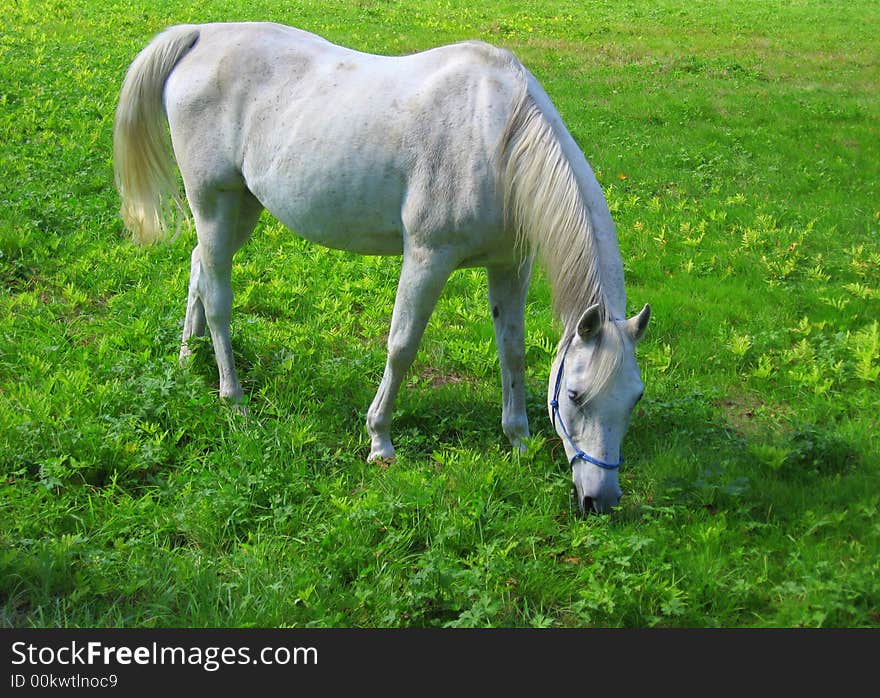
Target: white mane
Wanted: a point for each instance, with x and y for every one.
(546, 207)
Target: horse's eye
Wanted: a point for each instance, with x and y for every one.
(574, 396)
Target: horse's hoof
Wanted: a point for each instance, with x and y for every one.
(383, 456)
(236, 405)
(184, 358)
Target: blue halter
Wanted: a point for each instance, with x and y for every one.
(554, 405)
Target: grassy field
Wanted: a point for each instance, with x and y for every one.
(738, 147)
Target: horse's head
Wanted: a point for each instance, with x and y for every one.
(594, 385)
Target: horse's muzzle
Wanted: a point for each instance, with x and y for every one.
(599, 505)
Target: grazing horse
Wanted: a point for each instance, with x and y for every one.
(453, 157)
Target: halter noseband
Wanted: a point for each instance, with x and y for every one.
(554, 405)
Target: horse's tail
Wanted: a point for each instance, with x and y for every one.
(142, 157)
(544, 204)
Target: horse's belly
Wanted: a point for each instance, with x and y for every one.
(367, 235)
(374, 242)
(335, 210)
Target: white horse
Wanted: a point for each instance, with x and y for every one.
(454, 157)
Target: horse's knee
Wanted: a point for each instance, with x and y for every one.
(400, 354)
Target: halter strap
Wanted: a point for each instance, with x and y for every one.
(554, 405)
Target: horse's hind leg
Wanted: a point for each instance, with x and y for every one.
(224, 221)
(194, 323)
(422, 279)
(508, 287)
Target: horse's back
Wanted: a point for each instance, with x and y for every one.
(347, 148)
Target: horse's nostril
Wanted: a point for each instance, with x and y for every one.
(589, 507)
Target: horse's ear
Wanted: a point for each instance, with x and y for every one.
(590, 323)
(638, 324)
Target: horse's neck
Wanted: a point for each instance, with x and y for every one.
(610, 263)
(603, 231)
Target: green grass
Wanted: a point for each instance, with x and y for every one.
(739, 150)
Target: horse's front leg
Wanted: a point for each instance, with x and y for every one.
(422, 278)
(508, 287)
